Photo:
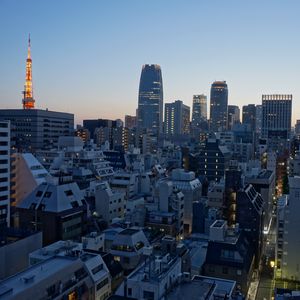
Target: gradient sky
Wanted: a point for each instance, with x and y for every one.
(87, 55)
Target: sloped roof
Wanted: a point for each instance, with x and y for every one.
(54, 198)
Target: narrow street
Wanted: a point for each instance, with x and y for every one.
(266, 284)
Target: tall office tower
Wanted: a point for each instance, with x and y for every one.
(130, 121)
(218, 106)
(233, 116)
(150, 102)
(276, 120)
(177, 118)
(28, 101)
(33, 129)
(4, 174)
(258, 119)
(199, 113)
(249, 116)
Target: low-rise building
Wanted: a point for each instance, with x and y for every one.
(109, 203)
(153, 279)
(127, 247)
(230, 255)
(72, 276)
(59, 211)
(191, 189)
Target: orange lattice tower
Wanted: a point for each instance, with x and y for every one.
(28, 101)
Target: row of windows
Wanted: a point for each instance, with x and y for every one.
(102, 284)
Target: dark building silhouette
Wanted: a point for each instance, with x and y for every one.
(199, 111)
(91, 125)
(218, 106)
(233, 116)
(150, 102)
(213, 160)
(249, 216)
(233, 183)
(249, 116)
(230, 255)
(276, 121)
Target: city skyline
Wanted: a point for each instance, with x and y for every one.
(76, 66)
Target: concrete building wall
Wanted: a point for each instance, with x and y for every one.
(14, 256)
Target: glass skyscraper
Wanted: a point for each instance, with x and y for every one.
(276, 120)
(218, 106)
(199, 113)
(150, 106)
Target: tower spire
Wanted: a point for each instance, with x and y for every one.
(28, 51)
(28, 101)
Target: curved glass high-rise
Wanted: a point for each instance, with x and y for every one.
(150, 106)
(218, 106)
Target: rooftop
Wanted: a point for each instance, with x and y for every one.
(201, 287)
(129, 231)
(34, 275)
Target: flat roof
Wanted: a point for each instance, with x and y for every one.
(193, 290)
(34, 274)
(202, 286)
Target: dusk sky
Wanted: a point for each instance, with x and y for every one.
(87, 55)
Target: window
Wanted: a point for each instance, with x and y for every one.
(97, 269)
(126, 260)
(139, 245)
(47, 194)
(225, 270)
(227, 254)
(148, 295)
(39, 194)
(69, 193)
(74, 204)
(102, 284)
(211, 269)
(3, 188)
